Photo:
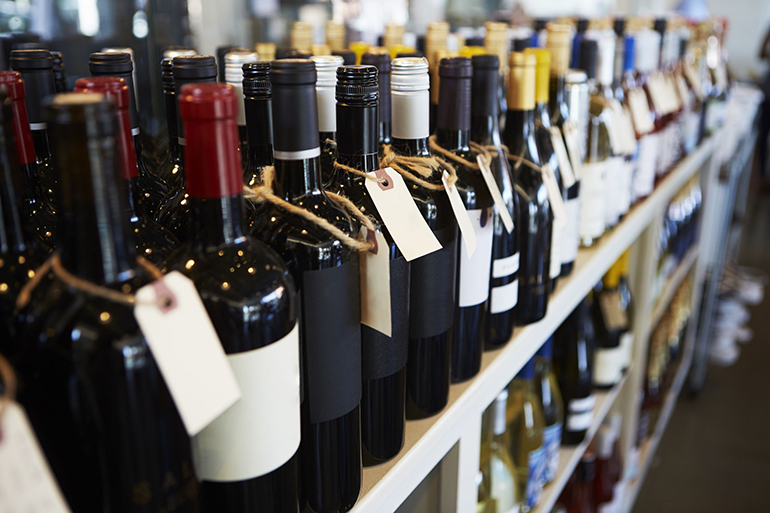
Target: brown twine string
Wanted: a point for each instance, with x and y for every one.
(451, 156)
(423, 166)
(9, 388)
(265, 193)
(348, 205)
(521, 160)
(358, 172)
(54, 264)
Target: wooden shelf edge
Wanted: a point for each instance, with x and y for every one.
(672, 284)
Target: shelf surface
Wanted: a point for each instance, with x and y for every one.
(570, 456)
(672, 284)
(427, 441)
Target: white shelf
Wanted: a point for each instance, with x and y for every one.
(427, 441)
(570, 456)
(672, 284)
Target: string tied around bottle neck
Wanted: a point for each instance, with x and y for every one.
(417, 169)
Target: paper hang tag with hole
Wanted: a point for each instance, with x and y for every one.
(640, 110)
(187, 350)
(565, 167)
(614, 317)
(26, 482)
(375, 284)
(620, 143)
(400, 214)
(554, 196)
(573, 148)
(494, 190)
(613, 130)
(463, 219)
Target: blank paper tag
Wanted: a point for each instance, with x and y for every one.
(567, 175)
(187, 350)
(571, 138)
(463, 221)
(614, 317)
(640, 110)
(401, 216)
(494, 190)
(26, 482)
(618, 136)
(554, 196)
(375, 285)
(613, 129)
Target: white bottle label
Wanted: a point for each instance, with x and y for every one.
(627, 343)
(475, 269)
(593, 200)
(580, 413)
(571, 232)
(262, 431)
(640, 111)
(537, 461)
(613, 180)
(625, 190)
(552, 443)
(608, 366)
(557, 236)
(504, 298)
(503, 267)
(644, 181)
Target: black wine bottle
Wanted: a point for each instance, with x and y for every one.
(453, 130)
(19, 250)
(535, 210)
(174, 209)
(120, 64)
(171, 167)
(250, 297)
(88, 381)
(432, 287)
(575, 338)
(383, 357)
(382, 62)
(504, 285)
(326, 67)
(38, 209)
(153, 242)
(327, 275)
(258, 104)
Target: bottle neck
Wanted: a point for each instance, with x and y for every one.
(357, 141)
(453, 124)
(13, 238)
(412, 147)
(42, 149)
(294, 178)
(216, 222)
(457, 141)
(259, 123)
(171, 122)
(485, 119)
(557, 100)
(519, 128)
(542, 114)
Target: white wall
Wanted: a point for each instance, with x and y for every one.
(749, 22)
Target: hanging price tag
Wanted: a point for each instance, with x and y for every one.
(692, 76)
(640, 111)
(26, 481)
(614, 317)
(613, 130)
(554, 196)
(629, 134)
(463, 220)
(187, 350)
(565, 167)
(657, 88)
(400, 214)
(573, 148)
(494, 190)
(681, 86)
(375, 285)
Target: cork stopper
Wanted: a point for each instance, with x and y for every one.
(559, 43)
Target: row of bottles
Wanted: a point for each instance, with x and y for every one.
(550, 402)
(501, 177)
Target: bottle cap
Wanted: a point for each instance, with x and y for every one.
(177, 51)
(256, 79)
(195, 68)
(27, 60)
(326, 67)
(58, 64)
(498, 420)
(455, 94)
(295, 109)
(619, 26)
(485, 61)
(582, 25)
(107, 63)
(542, 73)
(409, 74)
(335, 35)
(519, 44)
(629, 53)
(521, 81)
(659, 25)
(167, 75)
(25, 147)
(380, 60)
(265, 50)
(605, 60)
(293, 71)
(357, 84)
(455, 67)
(559, 43)
(14, 85)
(588, 52)
(348, 56)
(484, 86)
(213, 163)
(234, 62)
(222, 51)
(357, 94)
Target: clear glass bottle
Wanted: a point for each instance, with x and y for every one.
(499, 487)
(547, 390)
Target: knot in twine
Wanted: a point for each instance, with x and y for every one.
(9, 386)
(475, 147)
(265, 192)
(54, 264)
(418, 169)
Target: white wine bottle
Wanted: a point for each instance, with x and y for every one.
(498, 486)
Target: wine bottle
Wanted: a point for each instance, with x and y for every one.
(89, 383)
(234, 62)
(59, 73)
(473, 272)
(220, 54)
(258, 105)
(610, 314)
(603, 485)
(558, 43)
(535, 209)
(174, 209)
(383, 357)
(36, 68)
(36, 206)
(436, 38)
(432, 286)
(327, 275)
(575, 337)
(500, 490)
(593, 185)
(549, 396)
(547, 153)
(153, 242)
(326, 67)
(624, 81)
(247, 457)
(120, 64)
(504, 285)
(526, 425)
(647, 52)
(496, 43)
(19, 250)
(660, 96)
(582, 499)
(382, 62)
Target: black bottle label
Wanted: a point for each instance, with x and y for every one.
(331, 312)
(383, 355)
(432, 289)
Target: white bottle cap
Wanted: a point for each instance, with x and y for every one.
(326, 67)
(410, 99)
(409, 74)
(498, 419)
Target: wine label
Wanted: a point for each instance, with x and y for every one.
(593, 200)
(608, 366)
(567, 175)
(573, 148)
(504, 297)
(537, 462)
(555, 257)
(615, 318)
(613, 178)
(400, 214)
(185, 346)
(382, 355)
(614, 124)
(644, 181)
(640, 111)
(494, 191)
(580, 413)
(571, 231)
(506, 266)
(552, 444)
(432, 288)
(331, 312)
(26, 481)
(375, 284)
(657, 93)
(463, 219)
(626, 184)
(627, 343)
(261, 432)
(474, 269)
